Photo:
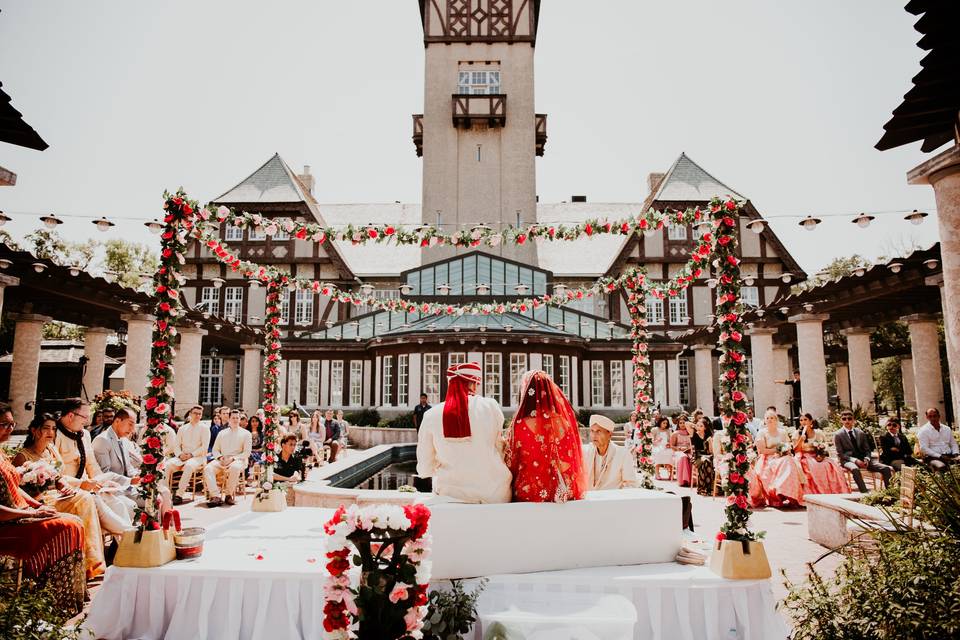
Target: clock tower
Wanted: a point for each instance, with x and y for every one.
(479, 134)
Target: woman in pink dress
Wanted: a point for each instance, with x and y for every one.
(776, 478)
(681, 443)
(823, 473)
(544, 452)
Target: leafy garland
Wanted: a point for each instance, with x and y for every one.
(271, 371)
(169, 308)
(636, 305)
(391, 547)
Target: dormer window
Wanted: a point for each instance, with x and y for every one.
(478, 82)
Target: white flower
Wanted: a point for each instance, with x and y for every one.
(267, 486)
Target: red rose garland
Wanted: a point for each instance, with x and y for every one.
(271, 372)
(167, 281)
(636, 285)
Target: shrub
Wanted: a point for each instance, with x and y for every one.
(903, 585)
(363, 418)
(451, 614)
(403, 421)
(32, 614)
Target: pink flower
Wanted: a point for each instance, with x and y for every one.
(399, 592)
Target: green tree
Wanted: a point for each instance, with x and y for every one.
(128, 260)
(838, 268)
(57, 330)
(47, 244)
(8, 240)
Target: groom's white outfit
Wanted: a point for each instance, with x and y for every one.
(459, 443)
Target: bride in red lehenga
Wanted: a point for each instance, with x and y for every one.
(544, 451)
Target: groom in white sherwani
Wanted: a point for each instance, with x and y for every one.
(460, 444)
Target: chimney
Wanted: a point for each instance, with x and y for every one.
(578, 198)
(306, 178)
(654, 180)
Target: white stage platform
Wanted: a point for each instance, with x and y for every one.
(230, 594)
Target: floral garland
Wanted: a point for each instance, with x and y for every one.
(636, 305)
(114, 400)
(425, 235)
(169, 308)
(391, 546)
(733, 374)
(271, 418)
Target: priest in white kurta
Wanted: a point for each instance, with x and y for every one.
(608, 465)
(460, 444)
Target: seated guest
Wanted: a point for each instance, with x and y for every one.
(895, 448)
(49, 545)
(823, 473)
(230, 454)
(101, 424)
(332, 434)
(937, 444)
(115, 453)
(753, 425)
(295, 427)
(289, 466)
(721, 423)
(775, 477)
(703, 455)
(190, 452)
(608, 465)
(218, 421)
(315, 436)
(661, 453)
(682, 446)
(38, 447)
(81, 471)
(255, 427)
(854, 450)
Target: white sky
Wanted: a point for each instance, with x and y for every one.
(781, 101)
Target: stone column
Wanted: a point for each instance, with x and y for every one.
(761, 351)
(909, 384)
(782, 371)
(861, 368)
(95, 349)
(703, 372)
(139, 345)
(843, 383)
(942, 172)
(186, 365)
(950, 328)
(26, 364)
(813, 365)
(6, 281)
(925, 349)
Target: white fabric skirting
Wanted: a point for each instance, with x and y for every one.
(230, 594)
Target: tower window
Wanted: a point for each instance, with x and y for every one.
(478, 82)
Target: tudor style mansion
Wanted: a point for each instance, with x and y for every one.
(479, 136)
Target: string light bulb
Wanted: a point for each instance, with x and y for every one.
(810, 223)
(4, 218)
(931, 263)
(895, 267)
(103, 225)
(863, 220)
(50, 222)
(915, 217)
(756, 226)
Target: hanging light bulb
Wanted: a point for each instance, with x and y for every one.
(5, 264)
(786, 277)
(760, 313)
(50, 222)
(74, 270)
(217, 282)
(703, 227)
(559, 289)
(405, 289)
(895, 267)
(522, 289)
(756, 226)
(859, 271)
(712, 283)
(155, 226)
(784, 310)
(218, 326)
(748, 280)
(254, 283)
(103, 225)
(366, 289)
(4, 219)
(863, 220)
(39, 267)
(482, 289)
(916, 217)
(810, 223)
(931, 263)
(808, 307)
(443, 289)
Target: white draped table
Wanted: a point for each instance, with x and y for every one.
(261, 576)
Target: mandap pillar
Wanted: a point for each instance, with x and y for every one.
(813, 364)
(703, 372)
(761, 351)
(781, 371)
(6, 281)
(909, 384)
(861, 368)
(95, 349)
(250, 379)
(26, 365)
(942, 172)
(842, 370)
(138, 352)
(925, 352)
(186, 365)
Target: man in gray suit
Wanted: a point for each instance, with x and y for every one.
(854, 448)
(115, 452)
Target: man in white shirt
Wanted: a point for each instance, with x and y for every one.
(608, 465)
(937, 444)
(190, 447)
(231, 452)
(460, 445)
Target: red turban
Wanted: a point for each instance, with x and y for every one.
(456, 407)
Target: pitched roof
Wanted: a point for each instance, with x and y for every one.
(14, 130)
(686, 181)
(273, 182)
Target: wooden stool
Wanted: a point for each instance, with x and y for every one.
(195, 479)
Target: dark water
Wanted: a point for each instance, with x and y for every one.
(391, 476)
